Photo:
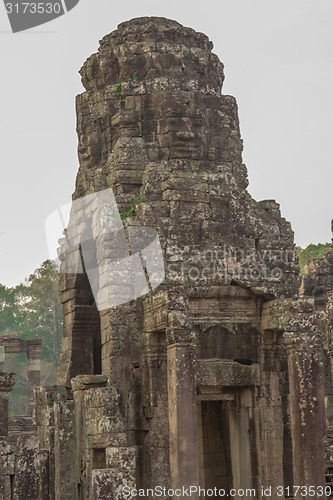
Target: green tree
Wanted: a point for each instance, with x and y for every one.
(32, 310)
(312, 252)
(8, 310)
(39, 313)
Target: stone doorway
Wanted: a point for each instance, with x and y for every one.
(224, 440)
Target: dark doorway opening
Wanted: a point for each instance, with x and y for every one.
(226, 438)
(214, 447)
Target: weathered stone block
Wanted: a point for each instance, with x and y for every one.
(66, 465)
(121, 458)
(109, 484)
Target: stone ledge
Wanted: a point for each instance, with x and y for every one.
(83, 382)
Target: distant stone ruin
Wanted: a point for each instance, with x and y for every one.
(19, 445)
(222, 376)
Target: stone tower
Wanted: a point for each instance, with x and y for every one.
(187, 385)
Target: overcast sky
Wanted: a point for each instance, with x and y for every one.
(278, 58)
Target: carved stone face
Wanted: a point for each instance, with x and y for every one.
(169, 123)
(91, 143)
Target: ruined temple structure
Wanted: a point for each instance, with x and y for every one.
(218, 377)
(12, 344)
(19, 444)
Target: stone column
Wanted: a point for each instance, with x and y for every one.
(329, 394)
(306, 380)
(105, 462)
(155, 456)
(268, 416)
(7, 380)
(34, 349)
(184, 455)
(48, 400)
(65, 459)
(2, 356)
(80, 384)
(329, 312)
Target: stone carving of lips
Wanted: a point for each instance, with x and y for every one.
(24, 15)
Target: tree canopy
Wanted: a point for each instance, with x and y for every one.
(32, 310)
(312, 252)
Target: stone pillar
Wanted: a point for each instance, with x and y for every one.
(329, 394)
(2, 356)
(329, 312)
(66, 483)
(47, 402)
(7, 380)
(106, 464)
(155, 456)
(25, 483)
(268, 417)
(80, 384)
(184, 459)
(34, 349)
(306, 380)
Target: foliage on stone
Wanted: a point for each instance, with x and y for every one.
(312, 252)
(131, 210)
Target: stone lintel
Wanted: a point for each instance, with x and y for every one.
(34, 348)
(225, 373)
(231, 304)
(215, 393)
(14, 345)
(83, 382)
(104, 440)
